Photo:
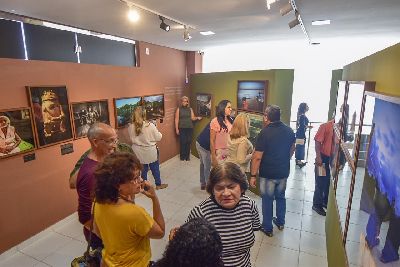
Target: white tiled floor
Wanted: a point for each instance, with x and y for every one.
(301, 243)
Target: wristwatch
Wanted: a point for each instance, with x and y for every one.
(253, 175)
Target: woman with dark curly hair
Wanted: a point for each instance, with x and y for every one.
(194, 244)
(124, 227)
(220, 128)
(234, 215)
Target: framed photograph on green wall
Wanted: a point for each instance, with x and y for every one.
(256, 125)
(251, 95)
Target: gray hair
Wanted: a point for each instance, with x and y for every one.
(96, 129)
(273, 113)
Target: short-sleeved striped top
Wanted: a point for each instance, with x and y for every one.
(235, 226)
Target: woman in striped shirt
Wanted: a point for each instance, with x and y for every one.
(234, 215)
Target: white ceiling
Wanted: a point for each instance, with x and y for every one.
(233, 21)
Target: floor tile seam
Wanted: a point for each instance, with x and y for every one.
(323, 235)
(323, 257)
(72, 237)
(30, 256)
(278, 246)
(59, 248)
(314, 254)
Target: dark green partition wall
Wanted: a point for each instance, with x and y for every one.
(223, 85)
(336, 76)
(336, 253)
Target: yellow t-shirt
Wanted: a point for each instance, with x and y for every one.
(123, 229)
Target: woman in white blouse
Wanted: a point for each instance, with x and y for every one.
(144, 136)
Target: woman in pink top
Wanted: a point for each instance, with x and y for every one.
(220, 128)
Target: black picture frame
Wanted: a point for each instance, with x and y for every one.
(124, 108)
(203, 105)
(154, 106)
(251, 95)
(52, 115)
(17, 137)
(86, 113)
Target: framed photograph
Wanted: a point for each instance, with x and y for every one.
(203, 102)
(87, 113)
(256, 125)
(154, 105)
(16, 132)
(251, 95)
(124, 108)
(51, 112)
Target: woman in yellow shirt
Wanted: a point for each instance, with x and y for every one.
(124, 227)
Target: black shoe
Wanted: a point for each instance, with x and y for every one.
(319, 210)
(385, 260)
(280, 227)
(324, 206)
(270, 234)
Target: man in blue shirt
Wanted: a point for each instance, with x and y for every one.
(271, 159)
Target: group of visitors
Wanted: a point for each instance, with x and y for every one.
(220, 230)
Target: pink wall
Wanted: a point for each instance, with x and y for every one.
(35, 195)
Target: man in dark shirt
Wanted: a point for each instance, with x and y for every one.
(203, 148)
(103, 141)
(271, 159)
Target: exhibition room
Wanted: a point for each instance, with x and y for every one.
(200, 133)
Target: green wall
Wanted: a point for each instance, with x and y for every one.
(223, 85)
(336, 76)
(381, 67)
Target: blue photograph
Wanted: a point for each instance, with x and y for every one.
(383, 161)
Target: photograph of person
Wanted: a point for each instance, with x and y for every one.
(203, 105)
(251, 95)
(87, 113)
(52, 115)
(16, 134)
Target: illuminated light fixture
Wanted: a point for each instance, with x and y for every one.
(270, 2)
(133, 14)
(163, 25)
(207, 33)
(287, 8)
(294, 22)
(186, 34)
(321, 22)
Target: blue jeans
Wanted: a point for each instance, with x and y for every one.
(155, 170)
(322, 183)
(205, 163)
(273, 189)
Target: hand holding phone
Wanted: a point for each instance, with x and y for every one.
(148, 190)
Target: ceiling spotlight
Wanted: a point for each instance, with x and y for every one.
(133, 15)
(163, 25)
(186, 34)
(286, 9)
(321, 22)
(207, 33)
(294, 22)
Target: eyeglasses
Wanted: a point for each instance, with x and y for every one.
(136, 179)
(110, 142)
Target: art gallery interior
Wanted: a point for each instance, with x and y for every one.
(91, 61)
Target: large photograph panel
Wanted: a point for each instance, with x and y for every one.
(16, 132)
(51, 114)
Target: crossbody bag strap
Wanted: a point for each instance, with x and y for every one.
(91, 228)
